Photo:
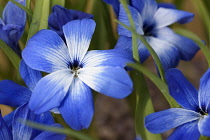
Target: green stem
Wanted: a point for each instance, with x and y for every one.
(14, 58)
(40, 17)
(157, 81)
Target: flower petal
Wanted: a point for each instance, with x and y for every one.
(46, 52)
(10, 34)
(50, 91)
(114, 57)
(126, 43)
(60, 16)
(204, 125)
(165, 17)
(168, 54)
(146, 8)
(187, 131)
(77, 107)
(9, 118)
(182, 90)
(111, 81)
(12, 14)
(29, 75)
(49, 135)
(187, 48)
(124, 19)
(5, 132)
(78, 34)
(162, 121)
(115, 4)
(203, 92)
(13, 94)
(21, 130)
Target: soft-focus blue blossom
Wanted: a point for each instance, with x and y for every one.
(73, 72)
(115, 4)
(193, 119)
(12, 25)
(13, 125)
(60, 16)
(152, 20)
(20, 131)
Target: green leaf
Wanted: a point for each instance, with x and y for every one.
(14, 58)
(57, 2)
(162, 86)
(194, 37)
(66, 131)
(40, 17)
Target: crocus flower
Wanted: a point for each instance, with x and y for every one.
(21, 131)
(192, 120)
(60, 16)
(73, 72)
(152, 20)
(12, 25)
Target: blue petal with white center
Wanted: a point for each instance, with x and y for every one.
(77, 108)
(168, 54)
(187, 48)
(47, 52)
(182, 90)
(124, 19)
(204, 125)
(30, 76)
(187, 131)
(13, 94)
(146, 8)
(111, 81)
(50, 91)
(78, 34)
(165, 17)
(164, 120)
(114, 57)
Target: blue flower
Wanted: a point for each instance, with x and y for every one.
(18, 96)
(20, 131)
(60, 16)
(152, 21)
(12, 25)
(73, 72)
(191, 120)
(115, 4)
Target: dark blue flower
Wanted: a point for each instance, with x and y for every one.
(73, 72)
(191, 120)
(115, 4)
(60, 16)
(12, 25)
(152, 21)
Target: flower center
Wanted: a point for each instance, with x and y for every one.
(203, 113)
(75, 71)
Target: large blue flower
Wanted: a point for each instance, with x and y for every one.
(152, 21)
(12, 25)
(73, 71)
(191, 120)
(60, 16)
(13, 125)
